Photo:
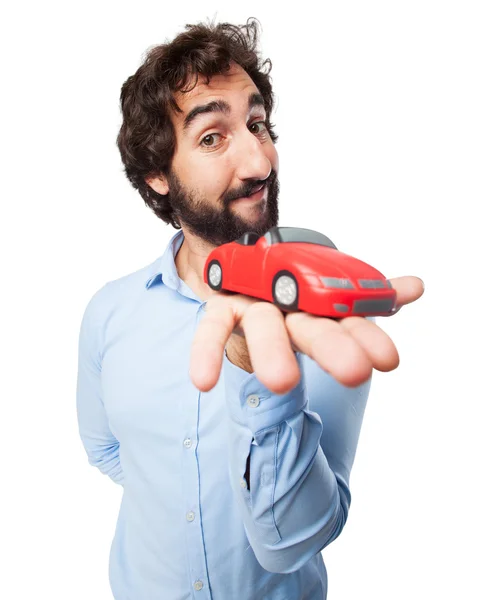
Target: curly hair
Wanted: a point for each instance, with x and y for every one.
(146, 139)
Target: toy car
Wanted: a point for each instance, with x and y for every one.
(299, 270)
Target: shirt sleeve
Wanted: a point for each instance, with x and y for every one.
(298, 498)
(102, 448)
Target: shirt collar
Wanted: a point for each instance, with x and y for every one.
(164, 269)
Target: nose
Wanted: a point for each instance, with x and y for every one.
(252, 157)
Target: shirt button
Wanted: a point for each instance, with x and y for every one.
(190, 516)
(243, 483)
(187, 443)
(198, 585)
(252, 400)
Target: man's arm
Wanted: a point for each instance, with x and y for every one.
(101, 446)
(298, 496)
(295, 498)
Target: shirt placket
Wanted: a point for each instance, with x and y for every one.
(195, 548)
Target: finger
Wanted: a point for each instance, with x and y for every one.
(269, 347)
(375, 342)
(331, 346)
(209, 342)
(408, 289)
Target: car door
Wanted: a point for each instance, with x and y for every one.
(247, 269)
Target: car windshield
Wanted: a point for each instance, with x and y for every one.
(278, 235)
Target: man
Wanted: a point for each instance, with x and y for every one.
(231, 426)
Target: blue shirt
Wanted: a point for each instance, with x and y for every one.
(189, 525)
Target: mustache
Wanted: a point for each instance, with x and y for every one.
(248, 189)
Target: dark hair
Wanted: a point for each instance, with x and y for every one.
(146, 139)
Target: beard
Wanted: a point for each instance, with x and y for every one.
(220, 225)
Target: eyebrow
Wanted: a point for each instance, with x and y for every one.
(218, 106)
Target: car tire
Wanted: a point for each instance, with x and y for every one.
(285, 291)
(215, 275)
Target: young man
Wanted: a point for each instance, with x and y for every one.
(231, 426)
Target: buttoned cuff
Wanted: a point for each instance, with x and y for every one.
(252, 404)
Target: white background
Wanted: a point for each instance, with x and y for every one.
(377, 109)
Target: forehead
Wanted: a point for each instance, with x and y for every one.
(236, 84)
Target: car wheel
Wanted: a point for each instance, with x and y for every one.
(215, 275)
(285, 291)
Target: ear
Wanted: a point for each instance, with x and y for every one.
(158, 183)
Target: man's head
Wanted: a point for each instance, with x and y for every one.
(197, 136)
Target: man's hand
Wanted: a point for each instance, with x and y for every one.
(349, 349)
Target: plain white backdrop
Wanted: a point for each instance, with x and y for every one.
(377, 106)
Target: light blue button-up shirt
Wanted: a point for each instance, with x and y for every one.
(189, 525)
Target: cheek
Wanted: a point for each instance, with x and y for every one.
(212, 182)
(274, 158)
(189, 171)
(211, 178)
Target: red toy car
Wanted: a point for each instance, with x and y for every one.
(300, 269)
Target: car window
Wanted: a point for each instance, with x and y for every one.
(278, 235)
(248, 239)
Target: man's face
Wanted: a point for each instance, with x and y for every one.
(221, 158)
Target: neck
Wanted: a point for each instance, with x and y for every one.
(190, 262)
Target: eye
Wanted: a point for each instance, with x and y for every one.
(262, 123)
(209, 136)
(208, 140)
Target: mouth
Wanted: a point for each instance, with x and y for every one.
(254, 197)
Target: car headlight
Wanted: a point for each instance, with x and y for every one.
(337, 282)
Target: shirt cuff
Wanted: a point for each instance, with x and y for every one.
(252, 404)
